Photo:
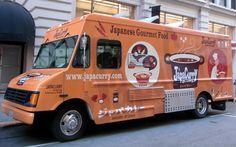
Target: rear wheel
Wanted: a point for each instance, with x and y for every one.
(201, 107)
(69, 123)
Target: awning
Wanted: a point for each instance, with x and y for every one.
(17, 24)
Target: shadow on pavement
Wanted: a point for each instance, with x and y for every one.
(25, 135)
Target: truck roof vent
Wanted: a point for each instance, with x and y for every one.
(176, 24)
(122, 14)
(150, 19)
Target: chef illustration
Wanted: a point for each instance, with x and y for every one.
(216, 71)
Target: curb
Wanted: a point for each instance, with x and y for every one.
(2, 92)
(10, 123)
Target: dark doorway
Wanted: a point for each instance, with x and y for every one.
(17, 36)
(10, 63)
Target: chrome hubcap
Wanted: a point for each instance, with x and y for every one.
(71, 122)
(201, 105)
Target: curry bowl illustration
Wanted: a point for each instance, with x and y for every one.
(142, 77)
(184, 59)
(185, 68)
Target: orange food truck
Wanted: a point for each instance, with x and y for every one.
(106, 69)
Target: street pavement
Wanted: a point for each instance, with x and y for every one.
(168, 130)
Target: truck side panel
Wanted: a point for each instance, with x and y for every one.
(153, 62)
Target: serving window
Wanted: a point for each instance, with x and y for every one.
(108, 54)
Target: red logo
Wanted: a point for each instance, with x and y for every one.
(101, 29)
(174, 36)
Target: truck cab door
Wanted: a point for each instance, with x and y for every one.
(75, 77)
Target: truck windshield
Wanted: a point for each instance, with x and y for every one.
(56, 54)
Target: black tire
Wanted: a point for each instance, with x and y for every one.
(201, 107)
(69, 123)
(41, 122)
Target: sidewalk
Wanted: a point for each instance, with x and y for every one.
(3, 117)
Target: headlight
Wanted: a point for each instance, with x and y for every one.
(34, 99)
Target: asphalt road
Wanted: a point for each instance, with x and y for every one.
(171, 130)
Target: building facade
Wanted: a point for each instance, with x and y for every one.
(218, 16)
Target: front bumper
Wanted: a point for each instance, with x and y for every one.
(18, 114)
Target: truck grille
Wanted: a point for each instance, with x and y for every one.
(18, 96)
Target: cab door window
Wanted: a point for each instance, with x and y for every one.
(108, 54)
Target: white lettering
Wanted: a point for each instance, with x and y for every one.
(93, 76)
(127, 109)
(185, 76)
(68, 77)
(73, 77)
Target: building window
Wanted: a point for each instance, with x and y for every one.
(108, 54)
(104, 7)
(233, 4)
(222, 3)
(220, 29)
(167, 18)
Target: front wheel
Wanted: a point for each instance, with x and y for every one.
(201, 107)
(69, 123)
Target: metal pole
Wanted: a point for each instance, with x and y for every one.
(92, 6)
